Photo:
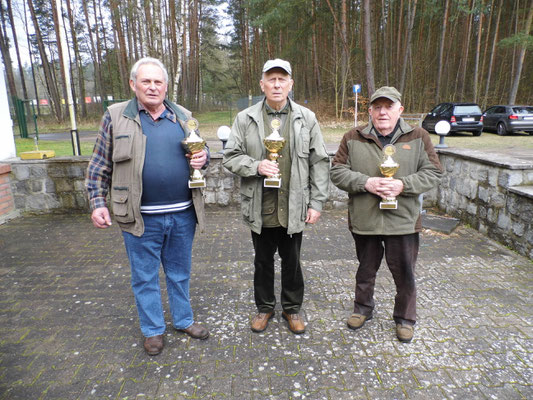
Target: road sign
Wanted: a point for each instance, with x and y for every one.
(357, 88)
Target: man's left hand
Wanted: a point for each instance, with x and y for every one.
(390, 187)
(312, 216)
(198, 160)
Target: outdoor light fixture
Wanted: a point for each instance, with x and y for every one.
(442, 128)
(223, 135)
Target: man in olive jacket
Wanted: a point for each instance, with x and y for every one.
(376, 231)
(277, 216)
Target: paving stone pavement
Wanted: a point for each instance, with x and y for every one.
(69, 330)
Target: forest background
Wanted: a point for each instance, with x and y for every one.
(431, 50)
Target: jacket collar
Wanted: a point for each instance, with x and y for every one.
(256, 111)
(402, 129)
(132, 110)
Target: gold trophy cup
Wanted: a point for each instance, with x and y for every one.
(194, 144)
(274, 143)
(388, 168)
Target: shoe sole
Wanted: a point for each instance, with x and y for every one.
(266, 326)
(354, 328)
(293, 331)
(404, 340)
(194, 337)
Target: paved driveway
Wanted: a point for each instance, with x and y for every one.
(68, 325)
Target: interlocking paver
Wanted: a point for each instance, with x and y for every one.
(68, 324)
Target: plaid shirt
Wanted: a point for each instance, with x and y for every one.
(100, 166)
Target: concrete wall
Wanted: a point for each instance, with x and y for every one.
(492, 194)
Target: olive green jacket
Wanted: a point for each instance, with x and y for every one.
(129, 146)
(309, 179)
(358, 158)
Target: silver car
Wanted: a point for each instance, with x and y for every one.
(504, 119)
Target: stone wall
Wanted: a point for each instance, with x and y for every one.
(52, 185)
(58, 185)
(492, 192)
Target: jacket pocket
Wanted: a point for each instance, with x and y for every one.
(304, 142)
(122, 147)
(122, 207)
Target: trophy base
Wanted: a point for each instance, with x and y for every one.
(197, 184)
(388, 205)
(272, 182)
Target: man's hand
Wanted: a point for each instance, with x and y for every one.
(101, 218)
(198, 160)
(267, 168)
(312, 216)
(384, 187)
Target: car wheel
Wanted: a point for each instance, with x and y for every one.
(477, 133)
(500, 129)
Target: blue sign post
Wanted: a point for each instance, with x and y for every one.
(356, 90)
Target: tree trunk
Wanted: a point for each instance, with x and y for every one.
(522, 55)
(367, 43)
(15, 40)
(120, 46)
(77, 60)
(50, 84)
(478, 49)
(411, 21)
(492, 53)
(441, 50)
(4, 48)
(31, 61)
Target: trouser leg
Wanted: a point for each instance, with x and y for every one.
(265, 247)
(144, 254)
(369, 250)
(292, 280)
(176, 260)
(401, 253)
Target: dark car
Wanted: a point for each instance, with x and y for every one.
(508, 119)
(463, 117)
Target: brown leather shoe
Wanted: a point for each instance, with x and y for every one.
(260, 321)
(296, 323)
(404, 332)
(196, 331)
(153, 345)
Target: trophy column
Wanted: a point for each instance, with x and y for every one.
(274, 143)
(194, 144)
(388, 168)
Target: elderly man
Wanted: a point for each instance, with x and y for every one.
(377, 231)
(277, 216)
(139, 157)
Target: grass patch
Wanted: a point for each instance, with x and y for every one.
(61, 147)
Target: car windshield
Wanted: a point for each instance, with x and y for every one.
(523, 110)
(472, 109)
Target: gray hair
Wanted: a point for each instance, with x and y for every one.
(147, 60)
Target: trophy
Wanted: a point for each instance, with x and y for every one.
(388, 168)
(274, 143)
(194, 144)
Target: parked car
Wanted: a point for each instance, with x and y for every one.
(504, 119)
(463, 117)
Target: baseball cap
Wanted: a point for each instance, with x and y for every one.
(278, 63)
(388, 92)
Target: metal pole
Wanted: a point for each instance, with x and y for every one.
(64, 50)
(355, 116)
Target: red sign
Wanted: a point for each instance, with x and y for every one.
(43, 102)
(88, 100)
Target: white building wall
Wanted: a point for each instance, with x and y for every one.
(7, 141)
